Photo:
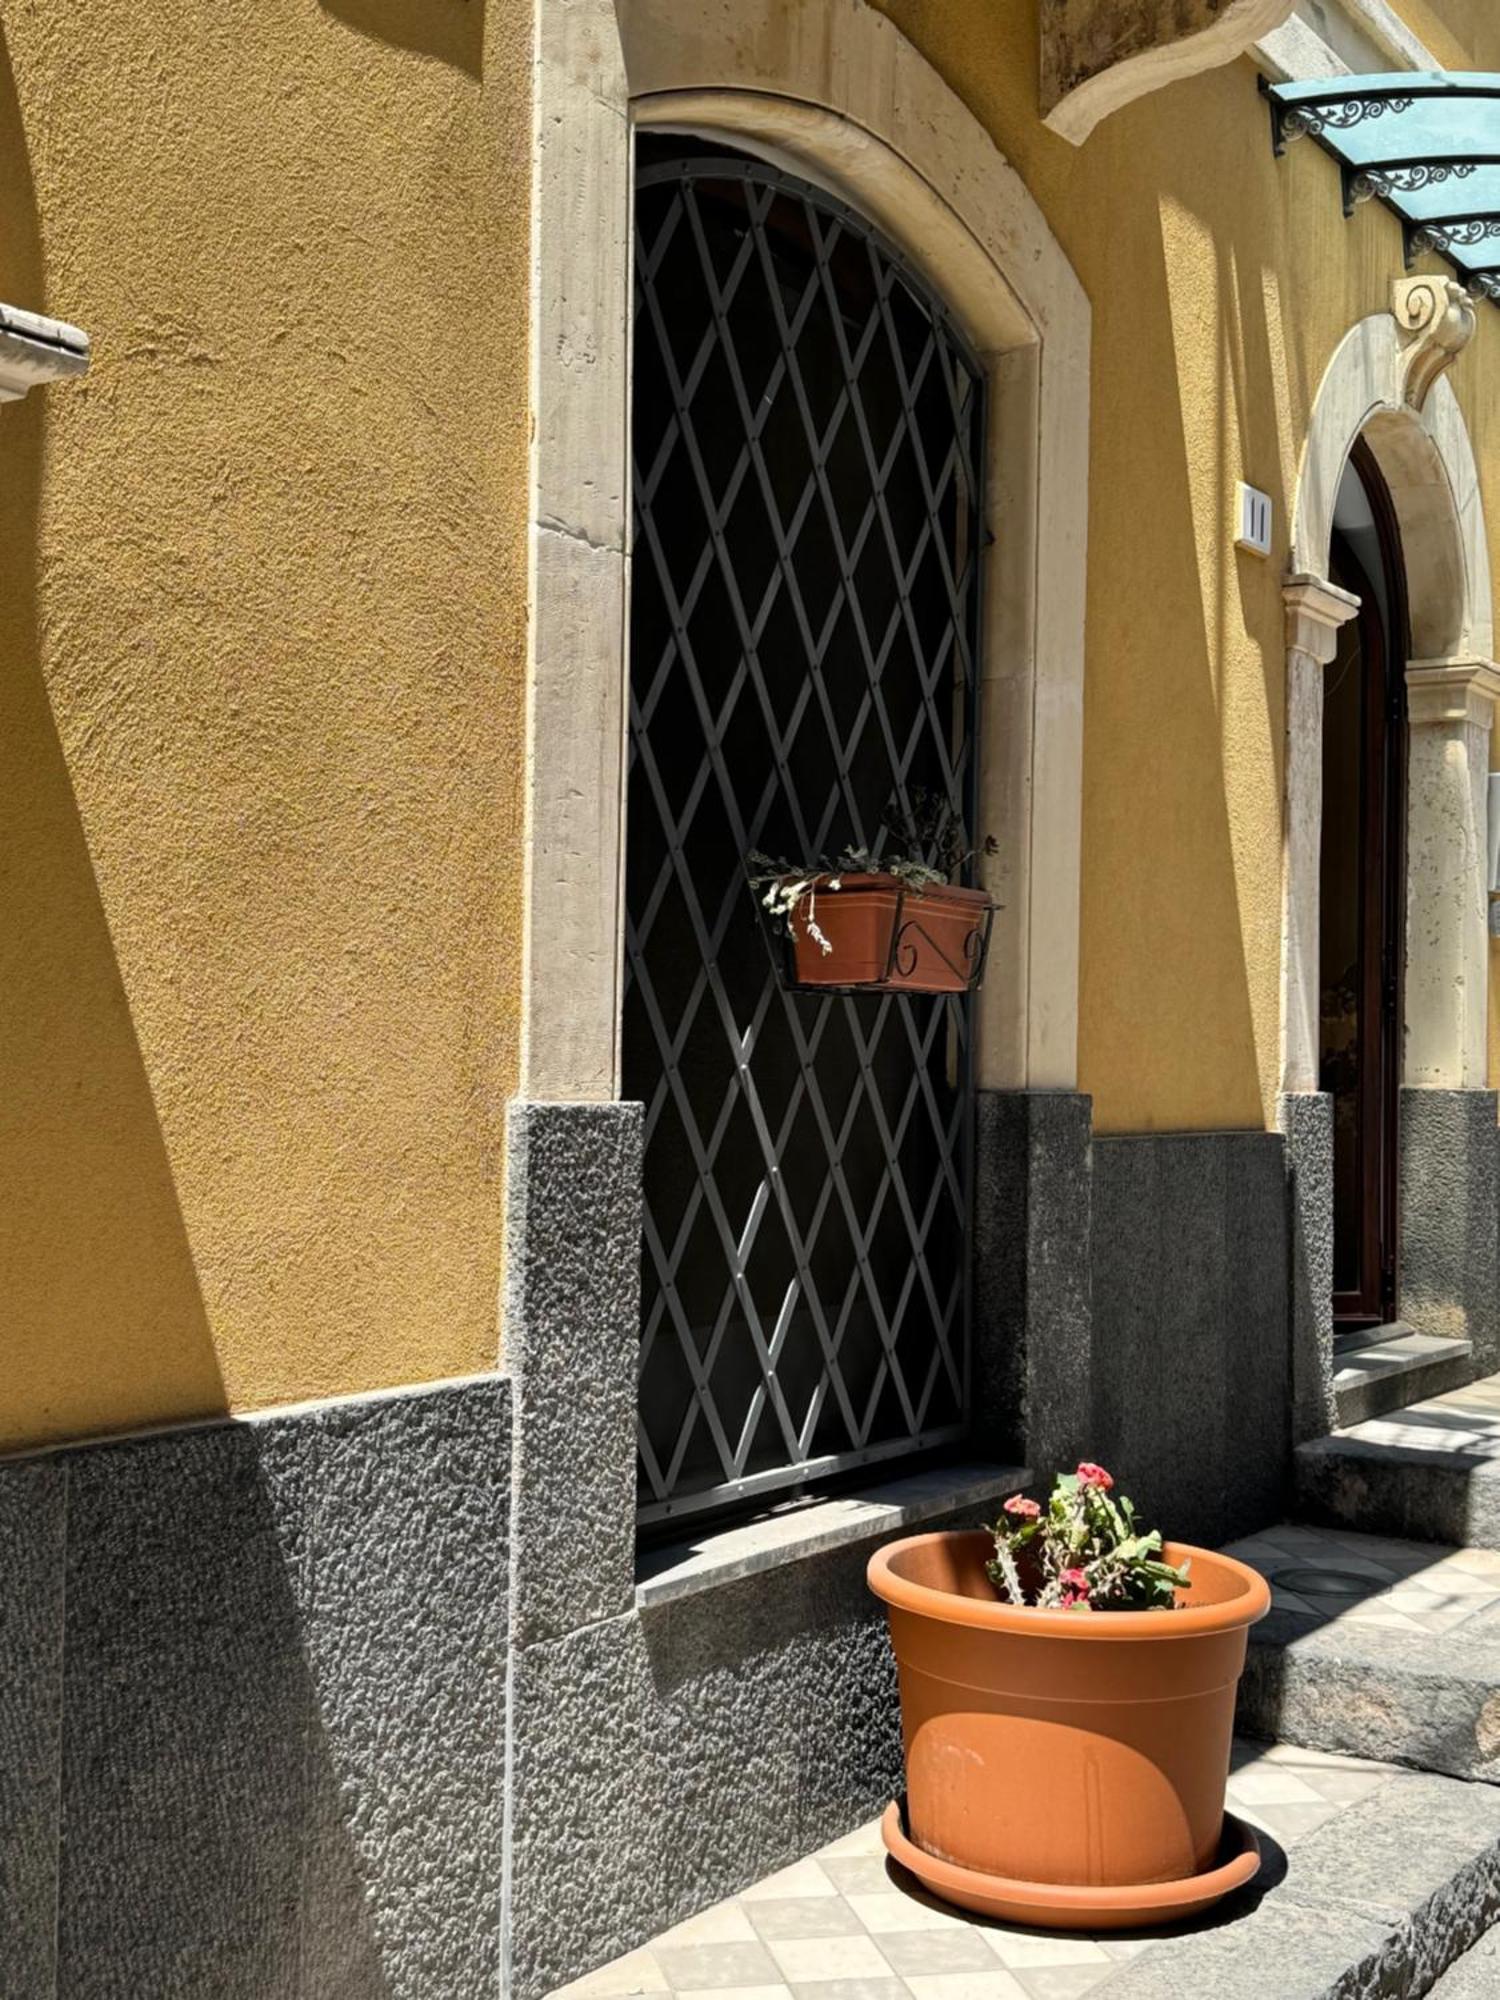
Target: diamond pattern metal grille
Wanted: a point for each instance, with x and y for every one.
(808, 438)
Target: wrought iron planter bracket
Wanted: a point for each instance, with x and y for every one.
(1426, 144)
(903, 921)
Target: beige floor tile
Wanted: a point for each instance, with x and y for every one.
(916, 1953)
(1020, 1949)
(736, 1993)
(1258, 1787)
(859, 1874)
(864, 1840)
(891, 1910)
(1070, 1982)
(690, 1967)
(995, 1985)
(803, 1917)
(725, 1923)
(1289, 1824)
(803, 1878)
(637, 1972)
(888, 1988)
(806, 1960)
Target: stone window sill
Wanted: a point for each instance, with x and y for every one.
(724, 1555)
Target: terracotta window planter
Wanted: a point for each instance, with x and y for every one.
(1066, 1768)
(888, 937)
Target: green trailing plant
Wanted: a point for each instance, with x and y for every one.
(1083, 1551)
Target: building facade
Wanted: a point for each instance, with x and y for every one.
(465, 1322)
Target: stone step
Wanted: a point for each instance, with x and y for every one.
(1402, 1367)
(1429, 1472)
(1475, 1976)
(1377, 1648)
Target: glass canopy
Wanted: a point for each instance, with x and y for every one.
(1426, 143)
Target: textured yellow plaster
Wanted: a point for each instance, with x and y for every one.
(262, 621)
(1221, 281)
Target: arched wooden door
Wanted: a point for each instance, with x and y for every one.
(1363, 892)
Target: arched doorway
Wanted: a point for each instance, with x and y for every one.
(1391, 1210)
(1362, 898)
(809, 440)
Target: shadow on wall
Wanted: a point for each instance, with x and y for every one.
(262, 1750)
(95, 1266)
(450, 30)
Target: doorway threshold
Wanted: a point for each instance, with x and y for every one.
(1402, 1368)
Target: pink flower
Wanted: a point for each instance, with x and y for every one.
(1021, 1508)
(1090, 1474)
(1075, 1589)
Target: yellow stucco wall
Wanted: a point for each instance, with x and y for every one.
(262, 589)
(262, 642)
(1220, 280)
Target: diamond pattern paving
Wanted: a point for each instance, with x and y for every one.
(848, 1924)
(1318, 1575)
(1465, 1422)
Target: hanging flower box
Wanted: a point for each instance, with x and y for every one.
(878, 932)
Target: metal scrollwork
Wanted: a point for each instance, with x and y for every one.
(1369, 182)
(1458, 235)
(904, 949)
(1340, 115)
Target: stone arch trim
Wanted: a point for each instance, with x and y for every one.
(1099, 55)
(1378, 384)
(835, 91)
(1383, 383)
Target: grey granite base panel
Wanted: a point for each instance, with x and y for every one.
(282, 1744)
(404, 1638)
(188, 1717)
(572, 1347)
(1450, 1218)
(1397, 1489)
(1032, 1295)
(1425, 1703)
(33, 1503)
(1307, 1125)
(667, 1759)
(1192, 1343)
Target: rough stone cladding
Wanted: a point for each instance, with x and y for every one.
(252, 1729)
(1307, 1123)
(1450, 1215)
(1192, 1374)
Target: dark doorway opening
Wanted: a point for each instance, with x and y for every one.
(1362, 910)
(808, 436)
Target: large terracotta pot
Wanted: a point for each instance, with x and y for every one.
(884, 935)
(1066, 1767)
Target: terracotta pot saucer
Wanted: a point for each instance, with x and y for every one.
(1067, 1906)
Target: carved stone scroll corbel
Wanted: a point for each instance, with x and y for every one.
(1436, 318)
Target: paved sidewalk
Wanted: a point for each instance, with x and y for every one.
(846, 1924)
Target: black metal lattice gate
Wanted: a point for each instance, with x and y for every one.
(808, 440)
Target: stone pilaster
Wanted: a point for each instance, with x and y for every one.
(1451, 707)
(1315, 611)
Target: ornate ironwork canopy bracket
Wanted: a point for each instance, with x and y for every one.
(1426, 145)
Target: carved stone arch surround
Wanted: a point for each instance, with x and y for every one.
(834, 90)
(1384, 384)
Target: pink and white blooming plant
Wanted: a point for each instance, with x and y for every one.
(1084, 1552)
